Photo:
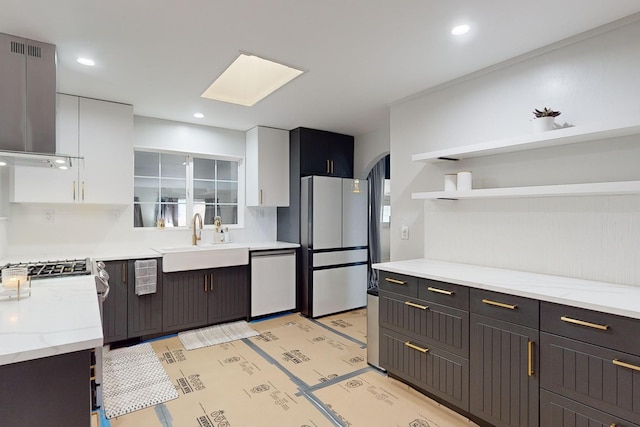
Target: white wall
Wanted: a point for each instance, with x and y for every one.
(369, 148)
(593, 79)
(87, 230)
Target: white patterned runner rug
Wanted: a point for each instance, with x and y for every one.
(218, 334)
(134, 379)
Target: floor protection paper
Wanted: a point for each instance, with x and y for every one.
(225, 385)
(307, 350)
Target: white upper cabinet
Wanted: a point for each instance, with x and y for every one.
(99, 132)
(267, 167)
(106, 144)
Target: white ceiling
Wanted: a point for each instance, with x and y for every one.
(360, 55)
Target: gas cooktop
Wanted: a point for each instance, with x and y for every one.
(50, 269)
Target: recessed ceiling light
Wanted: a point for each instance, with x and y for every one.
(60, 161)
(3, 164)
(198, 116)
(64, 168)
(249, 79)
(459, 30)
(86, 61)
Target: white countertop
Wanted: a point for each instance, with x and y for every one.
(610, 298)
(264, 246)
(117, 252)
(60, 316)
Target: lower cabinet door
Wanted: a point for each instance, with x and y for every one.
(436, 371)
(504, 373)
(557, 411)
(114, 308)
(184, 300)
(228, 294)
(145, 311)
(49, 391)
(605, 379)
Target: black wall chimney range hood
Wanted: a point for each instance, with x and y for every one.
(28, 103)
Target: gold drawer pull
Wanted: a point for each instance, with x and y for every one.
(440, 291)
(397, 282)
(413, 304)
(500, 304)
(530, 359)
(625, 365)
(415, 347)
(583, 323)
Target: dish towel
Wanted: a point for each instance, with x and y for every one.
(146, 276)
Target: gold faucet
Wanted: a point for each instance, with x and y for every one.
(197, 235)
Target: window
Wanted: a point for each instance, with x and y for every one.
(173, 187)
(386, 203)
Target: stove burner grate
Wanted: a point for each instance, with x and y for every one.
(49, 269)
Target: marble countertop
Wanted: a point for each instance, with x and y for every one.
(599, 296)
(60, 316)
(116, 253)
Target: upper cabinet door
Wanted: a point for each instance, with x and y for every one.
(267, 167)
(324, 153)
(341, 155)
(314, 152)
(106, 143)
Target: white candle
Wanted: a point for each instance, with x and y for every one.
(12, 278)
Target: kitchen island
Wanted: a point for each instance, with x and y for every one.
(46, 343)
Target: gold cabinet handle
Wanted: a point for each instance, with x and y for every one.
(211, 282)
(500, 304)
(583, 323)
(332, 167)
(260, 197)
(83, 190)
(328, 170)
(74, 190)
(625, 365)
(394, 281)
(413, 304)
(124, 273)
(440, 291)
(205, 283)
(415, 347)
(530, 371)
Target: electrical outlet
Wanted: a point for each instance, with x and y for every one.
(404, 232)
(49, 215)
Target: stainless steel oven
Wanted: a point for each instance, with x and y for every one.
(102, 288)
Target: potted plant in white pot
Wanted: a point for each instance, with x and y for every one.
(544, 119)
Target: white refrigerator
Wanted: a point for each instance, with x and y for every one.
(334, 238)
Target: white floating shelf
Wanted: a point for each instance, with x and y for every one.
(590, 189)
(564, 136)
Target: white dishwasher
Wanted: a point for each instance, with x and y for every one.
(273, 281)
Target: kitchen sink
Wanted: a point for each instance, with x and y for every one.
(183, 258)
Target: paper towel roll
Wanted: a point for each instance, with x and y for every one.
(464, 181)
(450, 181)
